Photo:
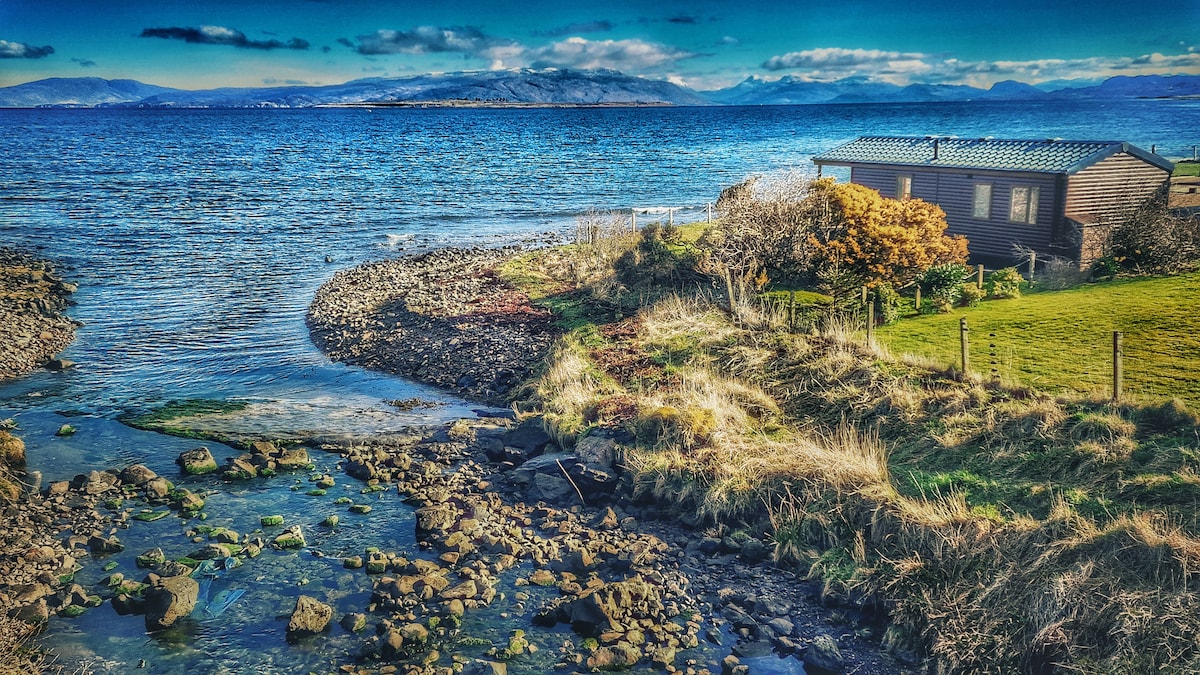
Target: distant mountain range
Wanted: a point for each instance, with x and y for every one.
(562, 87)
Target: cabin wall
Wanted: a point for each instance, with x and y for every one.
(954, 191)
(1107, 190)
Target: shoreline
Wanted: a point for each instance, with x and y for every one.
(444, 318)
(32, 326)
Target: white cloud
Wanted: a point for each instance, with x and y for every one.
(625, 55)
(902, 68)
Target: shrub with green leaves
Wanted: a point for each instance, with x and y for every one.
(943, 284)
(970, 295)
(887, 303)
(1005, 283)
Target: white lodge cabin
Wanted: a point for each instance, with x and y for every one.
(1055, 197)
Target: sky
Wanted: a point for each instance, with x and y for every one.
(703, 44)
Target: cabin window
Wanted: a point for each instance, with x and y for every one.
(1024, 204)
(983, 201)
(903, 187)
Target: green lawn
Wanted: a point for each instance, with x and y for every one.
(1187, 168)
(1062, 340)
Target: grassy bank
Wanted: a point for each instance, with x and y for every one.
(1001, 528)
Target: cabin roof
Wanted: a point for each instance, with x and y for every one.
(1033, 156)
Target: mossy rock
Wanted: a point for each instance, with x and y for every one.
(150, 516)
(360, 508)
(270, 521)
(318, 492)
(65, 430)
(331, 521)
(343, 500)
(72, 611)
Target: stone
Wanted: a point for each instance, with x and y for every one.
(331, 521)
(597, 451)
(157, 489)
(464, 591)
(102, 544)
(137, 474)
(197, 461)
(480, 667)
(823, 653)
(152, 558)
(187, 501)
(391, 645)
(310, 617)
(353, 622)
(754, 551)
(59, 364)
(292, 459)
(270, 521)
(292, 537)
(550, 488)
(781, 626)
(168, 599)
(530, 436)
(606, 520)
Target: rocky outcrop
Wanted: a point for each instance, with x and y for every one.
(32, 326)
(445, 318)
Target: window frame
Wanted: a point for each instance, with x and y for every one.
(904, 186)
(986, 211)
(1028, 215)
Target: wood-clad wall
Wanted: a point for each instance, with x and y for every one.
(1108, 189)
(955, 193)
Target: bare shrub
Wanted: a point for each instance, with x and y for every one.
(1152, 239)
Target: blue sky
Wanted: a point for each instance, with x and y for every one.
(196, 44)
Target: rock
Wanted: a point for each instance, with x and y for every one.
(781, 626)
(606, 520)
(353, 562)
(137, 474)
(361, 508)
(157, 489)
(414, 633)
(464, 591)
(196, 461)
(823, 653)
(550, 489)
(598, 451)
(102, 544)
(754, 551)
(187, 501)
(34, 613)
(391, 645)
(168, 599)
(331, 521)
(292, 537)
(530, 436)
(310, 617)
(292, 459)
(542, 577)
(353, 622)
(479, 667)
(662, 657)
(59, 364)
(65, 430)
(434, 519)
(210, 552)
(270, 521)
(152, 558)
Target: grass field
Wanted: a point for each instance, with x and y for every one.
(1187, 168)
(1062, 341)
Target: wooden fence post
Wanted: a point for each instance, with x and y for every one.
(633, 217)
(1032, 264)
(917, 302)
(792, 312)
(979, 276)
(864, 295)
(729, 293)
(964, 343)
(870, 324)
(710, 212)
(1118, 371)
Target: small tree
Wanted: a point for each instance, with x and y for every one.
(1154, 240)
(869, 240)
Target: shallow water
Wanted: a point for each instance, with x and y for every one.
(199, 237)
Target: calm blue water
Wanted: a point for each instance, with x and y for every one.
(199, 237)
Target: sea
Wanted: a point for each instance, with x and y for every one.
(198, 237)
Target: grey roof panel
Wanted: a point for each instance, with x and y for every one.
(1035, 156)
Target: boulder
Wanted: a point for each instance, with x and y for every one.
(292, 458)
(137, 474)
(310, 617)
(529, 436)
(824, 653)
(168, 599)
(597, 451)
(479, 667)
(292, 537)
(353, 622)
(196, 461)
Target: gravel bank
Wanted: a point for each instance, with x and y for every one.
(32, 327)
(444, 318)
